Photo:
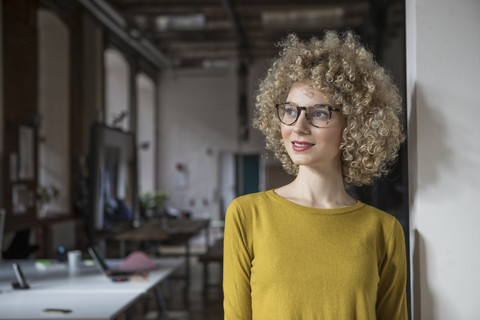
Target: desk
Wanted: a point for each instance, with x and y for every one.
(177, 230)
(172, 230)
(88, 293)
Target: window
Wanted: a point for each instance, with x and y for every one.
(117, 90)
(54, 107)
(145, 133)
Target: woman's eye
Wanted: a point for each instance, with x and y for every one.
(290, 111)
(321, 114)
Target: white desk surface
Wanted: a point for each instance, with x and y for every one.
(88, 293)
(31, 305)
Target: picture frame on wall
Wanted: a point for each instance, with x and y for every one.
(22, 199)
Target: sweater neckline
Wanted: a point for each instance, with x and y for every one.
(335, 211)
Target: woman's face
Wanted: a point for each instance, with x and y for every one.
(308, 145)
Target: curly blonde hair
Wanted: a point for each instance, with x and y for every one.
(347, 74)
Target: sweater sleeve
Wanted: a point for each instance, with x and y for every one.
(392, 300)
(236, 266)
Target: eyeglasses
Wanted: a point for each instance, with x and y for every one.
(317, 115)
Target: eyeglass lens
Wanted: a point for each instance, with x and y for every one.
(316, 115)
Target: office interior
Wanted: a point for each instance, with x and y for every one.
(177, 81)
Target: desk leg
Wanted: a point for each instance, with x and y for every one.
(122, 248)
(187, 270)
(162, 308)
(207, 237)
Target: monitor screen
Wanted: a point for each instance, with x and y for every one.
(113, 178)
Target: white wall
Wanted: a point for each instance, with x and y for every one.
(443, 84)
(197, 122)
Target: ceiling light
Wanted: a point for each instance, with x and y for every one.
(316, 17)
(191, 22)
(216, 64)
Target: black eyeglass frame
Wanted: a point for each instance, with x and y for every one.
(306, 109)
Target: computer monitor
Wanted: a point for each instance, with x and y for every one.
(113, 178)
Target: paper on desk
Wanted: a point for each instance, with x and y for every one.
(47, 264)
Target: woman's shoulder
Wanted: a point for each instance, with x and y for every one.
(247, 208)
(388, 222)
(252, 199)
(377, 213)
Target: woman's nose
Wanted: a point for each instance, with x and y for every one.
(302, 125)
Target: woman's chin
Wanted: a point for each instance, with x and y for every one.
(317, 163)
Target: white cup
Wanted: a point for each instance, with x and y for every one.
(74, 259)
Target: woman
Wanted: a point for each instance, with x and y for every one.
(308, 250)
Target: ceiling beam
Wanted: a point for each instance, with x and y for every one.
(143, 48)
(242, 41)
(241, 8)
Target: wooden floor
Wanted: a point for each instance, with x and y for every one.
(198, 306)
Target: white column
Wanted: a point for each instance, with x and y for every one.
(443, 85)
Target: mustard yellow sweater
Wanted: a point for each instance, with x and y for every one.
(286, 261)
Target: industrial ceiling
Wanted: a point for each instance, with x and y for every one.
(213, 33)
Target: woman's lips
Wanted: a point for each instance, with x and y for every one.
(300, 146)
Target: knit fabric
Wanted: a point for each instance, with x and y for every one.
(286, 261)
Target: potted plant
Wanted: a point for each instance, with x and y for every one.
(45, 195)
(151, 203)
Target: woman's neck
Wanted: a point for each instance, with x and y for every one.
(318, 188)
